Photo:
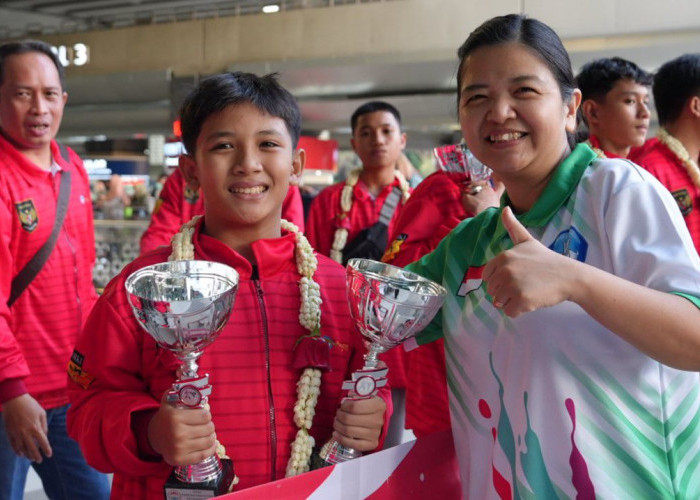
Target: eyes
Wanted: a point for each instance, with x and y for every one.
(264, 145)
(365, 132)
(49, 95)
(470, 98)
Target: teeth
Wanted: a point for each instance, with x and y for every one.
(506, 137)
(249, 190)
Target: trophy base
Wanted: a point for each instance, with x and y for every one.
(175, 489)
(335, 453)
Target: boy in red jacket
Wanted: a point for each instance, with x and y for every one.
(241, 133)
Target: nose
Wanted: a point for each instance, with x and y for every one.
(500, 110)
(39, 104)
(643, 110)
(246, 161)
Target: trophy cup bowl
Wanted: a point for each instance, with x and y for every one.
(184, 305)
(388, 305)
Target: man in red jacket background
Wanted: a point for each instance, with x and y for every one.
(38, 330)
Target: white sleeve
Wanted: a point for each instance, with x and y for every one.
(647, 236)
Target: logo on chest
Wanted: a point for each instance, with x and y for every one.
(471, 281)
(684, 200)
(27, 215)
(571, 243)
(191, 195)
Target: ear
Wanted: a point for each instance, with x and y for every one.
(570, 110)
(352, 144)
(298, 164)
(694, 106)
(65, 98)
(403, 140)
(188, 167)
(589, 108)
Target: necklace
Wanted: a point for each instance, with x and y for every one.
(309, 384)
(682, 154)
(340, 237)
(598, 151)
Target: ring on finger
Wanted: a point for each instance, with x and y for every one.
(475, 189)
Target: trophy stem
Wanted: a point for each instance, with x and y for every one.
(189, 366)
(371, 359)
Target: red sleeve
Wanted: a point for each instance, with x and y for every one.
(107, 389)
(13, 366)
(427, 406)
(167, 217)
(293, 207)
(320, 228)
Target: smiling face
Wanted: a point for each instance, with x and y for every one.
(621, 120)
(378, 140)
(243, 162)
(513, 117)
(31, 104)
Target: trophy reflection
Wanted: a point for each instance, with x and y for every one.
(184, 305)
(388, 305)
(459, 163)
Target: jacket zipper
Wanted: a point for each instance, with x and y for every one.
(271, 402)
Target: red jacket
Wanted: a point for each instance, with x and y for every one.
(433, 210)
(663, 164)
(38, 333)
(254, 386)
(177, 204)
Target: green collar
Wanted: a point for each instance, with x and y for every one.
(556, 193)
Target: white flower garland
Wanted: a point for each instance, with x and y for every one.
(340, 238)
(309, 385)
(598, 151)
(682, 154)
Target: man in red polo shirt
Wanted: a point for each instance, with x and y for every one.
(39, 327)
(672, 157)
(615, 105)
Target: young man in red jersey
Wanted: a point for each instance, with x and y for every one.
(672, 156)
(40, 320)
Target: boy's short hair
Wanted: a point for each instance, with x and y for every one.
(215, 93)
(25, 47)
(674, 83)
(598, 77)
(373, 107)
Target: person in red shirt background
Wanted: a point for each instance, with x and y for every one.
(38, 330)
(672, 156)
(241, 133)
(339, 213)
(615, 105)
(178, 202)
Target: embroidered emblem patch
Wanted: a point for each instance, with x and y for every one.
(684, 200)
(394, 248)
(471, 281)
(191, 195)
(76, 372)
(571, 243)
(27, 215)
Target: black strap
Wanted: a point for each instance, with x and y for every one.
(32, 268)
(389, 207)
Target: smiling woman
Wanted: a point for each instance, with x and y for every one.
(559, 350)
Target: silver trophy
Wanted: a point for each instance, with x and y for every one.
(184, 305)
(457, 161)
(388, 305)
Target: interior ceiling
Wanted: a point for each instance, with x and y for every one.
(121, 105)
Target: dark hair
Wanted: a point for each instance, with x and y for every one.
(26, 46)
(598, 77)
(674, 83)
(373, 107)
(215, 93)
